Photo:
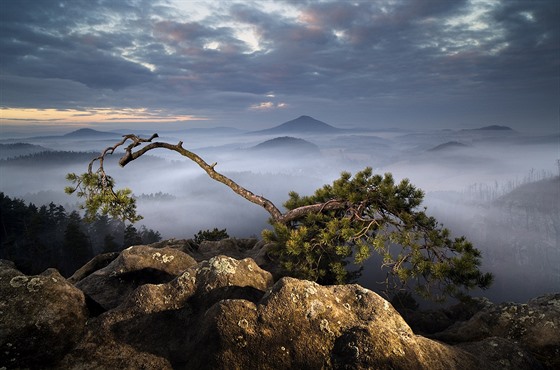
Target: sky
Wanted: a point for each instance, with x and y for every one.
(255, 64)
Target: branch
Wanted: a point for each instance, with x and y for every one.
(209, 169)
(300, 212)
(274, 212)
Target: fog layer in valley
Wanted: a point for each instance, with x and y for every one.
(469, 177)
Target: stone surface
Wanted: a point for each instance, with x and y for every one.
(41, 317)
(299, 324)
(96, 263)
(135, 266)
(159, 321)
(436, 320)
(231, 247)
(534, 326)
(503, 353)
(163, 310)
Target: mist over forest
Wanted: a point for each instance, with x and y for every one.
(497, 186)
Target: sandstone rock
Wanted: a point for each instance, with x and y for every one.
(232, 247)
(41, 317)
(299, 324)
(503, 353)
(258, 250)
(162, 310)
(534, 326)
(96, 263)
(135, 266)
(436, 320)
(157, 321)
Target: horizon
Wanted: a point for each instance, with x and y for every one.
(171, 65)
(32, 132)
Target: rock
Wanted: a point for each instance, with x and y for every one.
(232, 247)
(502, 352)
(42, 317)
(163, 310)
(258, 250)
(158, 321)
(217, 316)
(437, 320)
(135, 266)
(96, 263)
(299, 324)
(534, 326)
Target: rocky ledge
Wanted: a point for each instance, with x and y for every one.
(172, 305)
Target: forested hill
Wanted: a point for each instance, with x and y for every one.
(65, 157)
(19, 149)
(542, 195)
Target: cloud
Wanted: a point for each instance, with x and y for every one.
(267, 105)
(364, 58)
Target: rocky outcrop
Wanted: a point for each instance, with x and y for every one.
(135, 266)
(161, 323)
(42, 317)
(436, 320)
(161, 309)
(535, 326)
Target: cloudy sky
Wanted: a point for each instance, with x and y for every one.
(256, 64)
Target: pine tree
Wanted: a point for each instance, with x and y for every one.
(131, 237)
(319, 234)
(76, 246)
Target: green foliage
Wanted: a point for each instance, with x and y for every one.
(382, 216)
(213, 235)
(36, 238)
(101, 197)
(131, 237)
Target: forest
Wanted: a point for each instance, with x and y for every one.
(36, 238)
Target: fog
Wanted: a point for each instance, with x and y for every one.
(464, 179)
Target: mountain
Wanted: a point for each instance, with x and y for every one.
(88, 133)
(542, 195)
(491, 128)
(288, 145)
(19, 149)
(301, 125)
(447, 146)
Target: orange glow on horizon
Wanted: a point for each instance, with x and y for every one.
(93, 115)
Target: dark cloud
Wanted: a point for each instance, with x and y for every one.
(338, 57)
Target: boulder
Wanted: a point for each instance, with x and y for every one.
(231, 247)
(436, 320)
(300, 324)
(534, 326)
(503, 353)
(42, 317)
(217, 315)
(163, 310)
(135, 266)
(96, 263)
(157, 322)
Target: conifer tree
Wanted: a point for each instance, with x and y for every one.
(318, 235)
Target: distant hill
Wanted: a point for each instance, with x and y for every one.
(492, 128)
(88, 133)
(543, 195)
(301, 125)
(447, 146)
(19, 149)
(288, 145)
(55, 157)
